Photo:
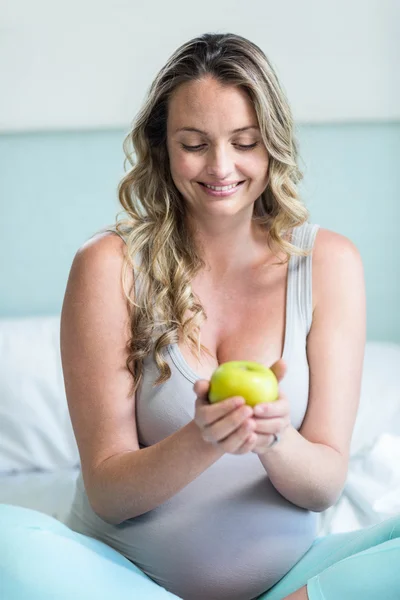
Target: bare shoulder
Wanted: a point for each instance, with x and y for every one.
(328, 243)
(99, 262)
(335, 258)
(105, 246)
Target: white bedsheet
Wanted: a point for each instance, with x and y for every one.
(48, 492)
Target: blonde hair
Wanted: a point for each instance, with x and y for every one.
(155, 227)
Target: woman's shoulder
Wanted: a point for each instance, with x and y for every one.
(335, 259)
(98, 262)
(332, 247)
(325, 243)
(101, 245)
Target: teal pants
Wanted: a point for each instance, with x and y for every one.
(358, 565)
(42, 559)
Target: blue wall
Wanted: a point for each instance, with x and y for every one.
(57, 189)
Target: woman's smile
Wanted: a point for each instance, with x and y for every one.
(221, 191)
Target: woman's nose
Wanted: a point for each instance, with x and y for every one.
(219, 162)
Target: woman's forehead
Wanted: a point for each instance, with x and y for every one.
(205, 104)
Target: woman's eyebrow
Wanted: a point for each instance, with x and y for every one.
(205, 132)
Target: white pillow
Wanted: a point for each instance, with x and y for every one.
(35, 427)
(379, 410)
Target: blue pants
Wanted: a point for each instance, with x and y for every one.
(42, 559)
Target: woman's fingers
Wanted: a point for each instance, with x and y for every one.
(272, 417)
(220, 429)
(225, 423)
(279, 408)
(201, 388)
(206, 412)
(240, 442)
(270, 426)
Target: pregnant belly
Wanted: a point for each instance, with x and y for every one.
(227, 535)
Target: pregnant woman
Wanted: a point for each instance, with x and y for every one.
(214, 260)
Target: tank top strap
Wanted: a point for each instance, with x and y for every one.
(299, 293)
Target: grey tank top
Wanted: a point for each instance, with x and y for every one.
(229, 534)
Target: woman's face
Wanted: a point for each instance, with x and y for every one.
(213, 138)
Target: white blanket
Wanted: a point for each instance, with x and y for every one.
(372, 490)
(374, 481)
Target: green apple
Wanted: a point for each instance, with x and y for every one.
(251, 380)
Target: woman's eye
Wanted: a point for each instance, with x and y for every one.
(248, 146)
(201, 146)
(192, 148)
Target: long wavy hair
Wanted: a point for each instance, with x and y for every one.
(154, 227)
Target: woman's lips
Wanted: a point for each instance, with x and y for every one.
(221, 193)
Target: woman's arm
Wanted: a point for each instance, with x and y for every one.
(121, 480)
(309, 467)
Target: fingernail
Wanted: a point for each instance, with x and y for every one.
(260, 410)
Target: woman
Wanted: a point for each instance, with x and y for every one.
(219, 501)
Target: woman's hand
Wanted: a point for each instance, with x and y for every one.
(271, 417)
(237, 428)
(224, 424)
